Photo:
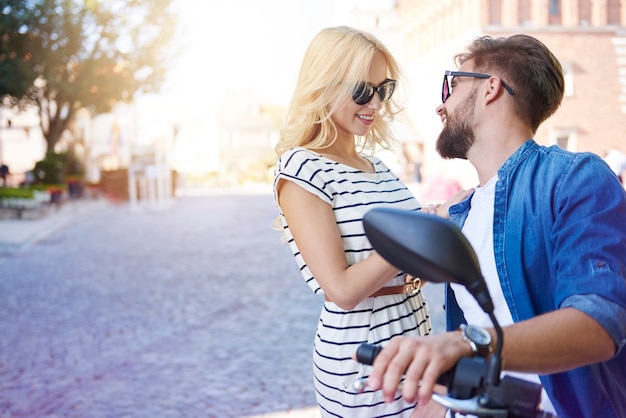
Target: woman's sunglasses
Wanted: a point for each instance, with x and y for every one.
(364, 92)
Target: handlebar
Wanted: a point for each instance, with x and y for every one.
(470, 393)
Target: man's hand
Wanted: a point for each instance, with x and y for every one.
(421, 359)
(432, 409)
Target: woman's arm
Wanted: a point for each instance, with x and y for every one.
(315, 231)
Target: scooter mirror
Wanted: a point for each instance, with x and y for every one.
(428, 247)
(434, 249)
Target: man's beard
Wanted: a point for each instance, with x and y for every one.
(457, 136)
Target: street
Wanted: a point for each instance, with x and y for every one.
(196, 310)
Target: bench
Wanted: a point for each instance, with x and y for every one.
(23, 208)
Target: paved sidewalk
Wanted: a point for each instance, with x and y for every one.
(17, 234)
(191, 311)
(197, 310)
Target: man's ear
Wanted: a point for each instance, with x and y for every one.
(494, 88)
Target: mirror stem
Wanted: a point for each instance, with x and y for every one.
(495, 361)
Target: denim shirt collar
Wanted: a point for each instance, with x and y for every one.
(517, 157)
(458, 212)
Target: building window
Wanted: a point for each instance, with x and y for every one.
(554, 14)
(613, 12)
(555, 7)
(568, 75)
(565, 139)
(495, 12)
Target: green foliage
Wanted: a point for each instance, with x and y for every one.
(62, 55)
(57, 168)
(48, 187)
(50, 170)
(16, 192)
(72, 165)
(17, 72)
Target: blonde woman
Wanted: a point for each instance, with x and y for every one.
(326, 180)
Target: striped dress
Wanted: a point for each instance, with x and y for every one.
(351, 193)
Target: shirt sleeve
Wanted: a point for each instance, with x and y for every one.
(304, 168)
(611, 315)
(590, 235)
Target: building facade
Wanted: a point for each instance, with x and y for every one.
(587, 36)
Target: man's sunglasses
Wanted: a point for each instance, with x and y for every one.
(364, 92)
(446, 89)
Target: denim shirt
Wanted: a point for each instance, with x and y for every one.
(559, 236)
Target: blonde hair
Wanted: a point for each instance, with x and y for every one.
(337, 57)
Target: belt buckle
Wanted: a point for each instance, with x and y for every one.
(412, 285)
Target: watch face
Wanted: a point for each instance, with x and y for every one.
(478, 335)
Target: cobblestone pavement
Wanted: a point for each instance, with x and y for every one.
(196, 310)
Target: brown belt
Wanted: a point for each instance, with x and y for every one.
(412, 286)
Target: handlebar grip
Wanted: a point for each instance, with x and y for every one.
(464, 381)
(366, 354)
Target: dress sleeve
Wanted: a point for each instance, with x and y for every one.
(307, 170)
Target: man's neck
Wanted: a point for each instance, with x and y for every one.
(488, 156)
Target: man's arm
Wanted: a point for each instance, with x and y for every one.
(550, 343)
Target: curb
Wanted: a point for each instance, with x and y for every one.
(20, 234)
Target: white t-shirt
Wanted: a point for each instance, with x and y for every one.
(478, 231)
(617, 161)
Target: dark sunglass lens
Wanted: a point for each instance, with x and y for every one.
(385, 91)
(445, 89)
(362, 93)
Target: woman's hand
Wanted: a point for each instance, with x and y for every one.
(441, 209)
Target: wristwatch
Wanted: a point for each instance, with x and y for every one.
(478, 338)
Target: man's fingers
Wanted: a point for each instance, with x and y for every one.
(397, 367)
(413, 375)
(420, 360)
(380, 364)
(429, 380)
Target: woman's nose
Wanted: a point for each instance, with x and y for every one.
(375, 103)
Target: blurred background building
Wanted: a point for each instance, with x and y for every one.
(587, 36)
(224, 134)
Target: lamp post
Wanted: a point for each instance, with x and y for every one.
(2, 136)
(4, 169)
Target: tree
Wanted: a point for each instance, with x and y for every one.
(63, 55)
